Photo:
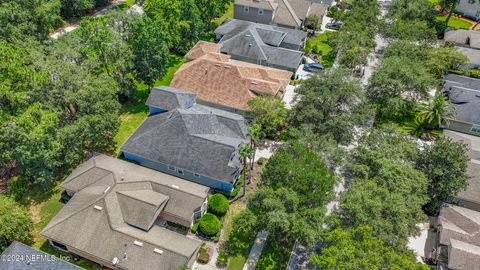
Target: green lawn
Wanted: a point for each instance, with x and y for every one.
(321, 43)
(455, 22)
(135, 111)
(274, 256)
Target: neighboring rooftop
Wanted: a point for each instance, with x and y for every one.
(19, 256)
(472, 142)
(472, 193)
(464, 93)
(460, 230)
(261, 42)
(290, 13)
(113, 210)
(216, 79)
(199, 139)
(170, 98)
(467, 42)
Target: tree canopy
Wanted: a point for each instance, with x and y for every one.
(358, 248)
(330, 103)
(15, 223)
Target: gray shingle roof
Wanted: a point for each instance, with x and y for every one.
(19, 256)
(460, 229)
(199, 139)
(261, 42)
(464, 93)
(234, 27)
(168, 98)
(94, 221)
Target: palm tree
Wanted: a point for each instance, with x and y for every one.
(437, 112)
(254, 131)
(244, 152)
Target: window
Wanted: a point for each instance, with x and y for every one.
(246, 9)
(59, 246)
(180, 171)
(260, 11)
(171, 168)
(197, 175)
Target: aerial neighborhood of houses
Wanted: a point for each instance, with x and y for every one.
(158, 205)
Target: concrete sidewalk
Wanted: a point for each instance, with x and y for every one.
(256, 250)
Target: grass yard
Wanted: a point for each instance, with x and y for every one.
(455, 22)
(239, 256)
(274, 256)
(135, 111)
(321, 44)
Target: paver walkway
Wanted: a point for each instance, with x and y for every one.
(256, 250)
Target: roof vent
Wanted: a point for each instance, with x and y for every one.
(227, 67)
(158, 251)
(175, 186)
(248, 35)
(99, 208)
(250, 45)
(138, 243)
(115, 261)
(255, 83)
(123, 178)
(106, 190)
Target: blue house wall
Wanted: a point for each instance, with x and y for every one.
(203, 180)
(153, 110)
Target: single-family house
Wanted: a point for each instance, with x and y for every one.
(19, 256)
(119, 213)
(466, 42)
(260, 44)
(469, 8)
(458, 245)
(190, 141)
(218, 81)
(464, 93)
(284, 13)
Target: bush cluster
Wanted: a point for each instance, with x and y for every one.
(218, 204)
(209, 225)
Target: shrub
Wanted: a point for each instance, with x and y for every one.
(209, 225)
(194, 228)
(203, 256)
(222, 259)
(218, 204)
(262, 161)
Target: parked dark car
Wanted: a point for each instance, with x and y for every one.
(313, 67)
(333, 25)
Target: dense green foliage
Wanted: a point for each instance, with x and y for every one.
(209, 225)
(355, 40)
(331, 102)
(445, 164)
(218, 204)
(358, 249)
(295, 187)
(387, 192)
(269, 113)
(15, 223)
(409, 70)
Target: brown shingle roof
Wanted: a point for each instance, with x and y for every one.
(217, 79)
